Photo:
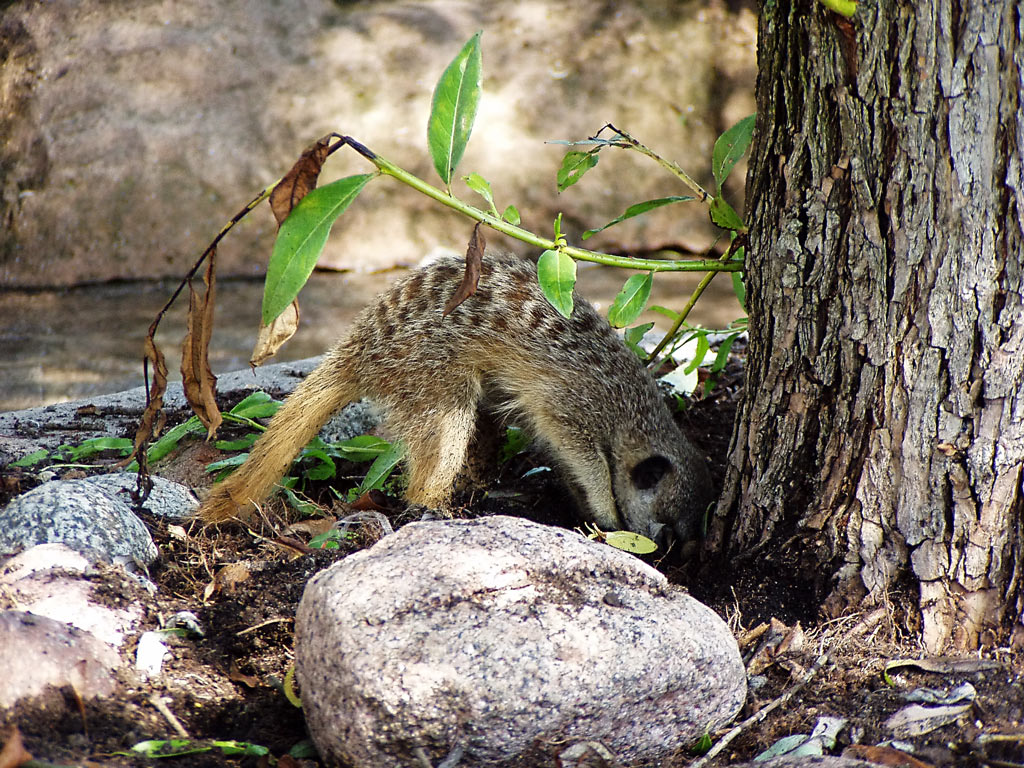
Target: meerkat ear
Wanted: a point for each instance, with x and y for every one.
(648, 473)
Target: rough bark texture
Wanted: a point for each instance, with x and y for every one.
(884, 411)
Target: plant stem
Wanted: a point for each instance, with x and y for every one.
(648, 265)
(704, 283)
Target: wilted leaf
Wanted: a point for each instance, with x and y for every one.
(729, 148)
(556, 273)
(198, 382)
(574, 165)
(471, 276)
(152, 421)
(946, 665)
(631, 300)
(884, 756)
(299, 181)
(916, 720)
(272, 336)
(301, 239)
(235, 674)
(453, 111)
(637, 210)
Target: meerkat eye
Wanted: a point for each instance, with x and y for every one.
(648, 473)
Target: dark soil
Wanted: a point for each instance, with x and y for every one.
(229, 684)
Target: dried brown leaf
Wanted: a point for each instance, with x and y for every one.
(884, 756)
(299, 181)
(312, 527)
(152, 421)
(471, 277)
(230, 576)
(13, 753)
(198, 381)
(373, 500)
(234, 673)
(273, 336)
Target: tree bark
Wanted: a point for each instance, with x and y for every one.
(883, 414)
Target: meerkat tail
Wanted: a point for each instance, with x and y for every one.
(324, 392)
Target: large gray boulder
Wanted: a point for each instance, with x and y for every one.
(133, 131)
(500, 639)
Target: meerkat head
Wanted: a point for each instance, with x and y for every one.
(661, 492)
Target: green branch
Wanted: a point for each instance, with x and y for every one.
(649, 265)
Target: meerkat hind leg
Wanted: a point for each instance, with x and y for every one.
(436, 446)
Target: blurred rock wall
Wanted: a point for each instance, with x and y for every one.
(130, 132)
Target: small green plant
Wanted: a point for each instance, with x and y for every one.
(70, 455)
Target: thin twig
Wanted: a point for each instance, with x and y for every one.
(164, 710)
(762, 713)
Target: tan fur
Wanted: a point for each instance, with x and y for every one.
(572, 382)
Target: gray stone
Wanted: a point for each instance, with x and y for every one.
(81, 515)
(498, 637)
(36, 651)
(165, 499)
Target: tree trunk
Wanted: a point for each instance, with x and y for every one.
(883, 415)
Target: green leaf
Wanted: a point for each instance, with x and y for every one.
(739, 289)
(698, 356)
(574, 165)
(301, 238)
(169, 441)
(32, 459)
(729, 148)
(724, 216)
(306, 508)
(241, 444)
(511, 215)
(638, 209)
(631, 300)
(229, 463)
(669, 313)
(517, 440)
(456, 98)
(258, 405)
(360, 448)
(630, 542)
(382, 467)
(633, 336)
(481, 186)
(556, 273)
(97, 445)
(723, 353)
(323, 467)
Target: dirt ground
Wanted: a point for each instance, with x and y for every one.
(244, 585)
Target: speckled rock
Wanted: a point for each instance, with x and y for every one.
(502, 640)
(81, 514)
(167, 499)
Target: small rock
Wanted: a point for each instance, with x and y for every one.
(495, 637)
(36, 652)
(166, 499)
(46, 581)
(80, 514)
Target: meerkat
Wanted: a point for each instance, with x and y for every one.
(572, 382)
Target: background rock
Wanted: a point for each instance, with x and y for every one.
(133, 131)
(500, 638)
